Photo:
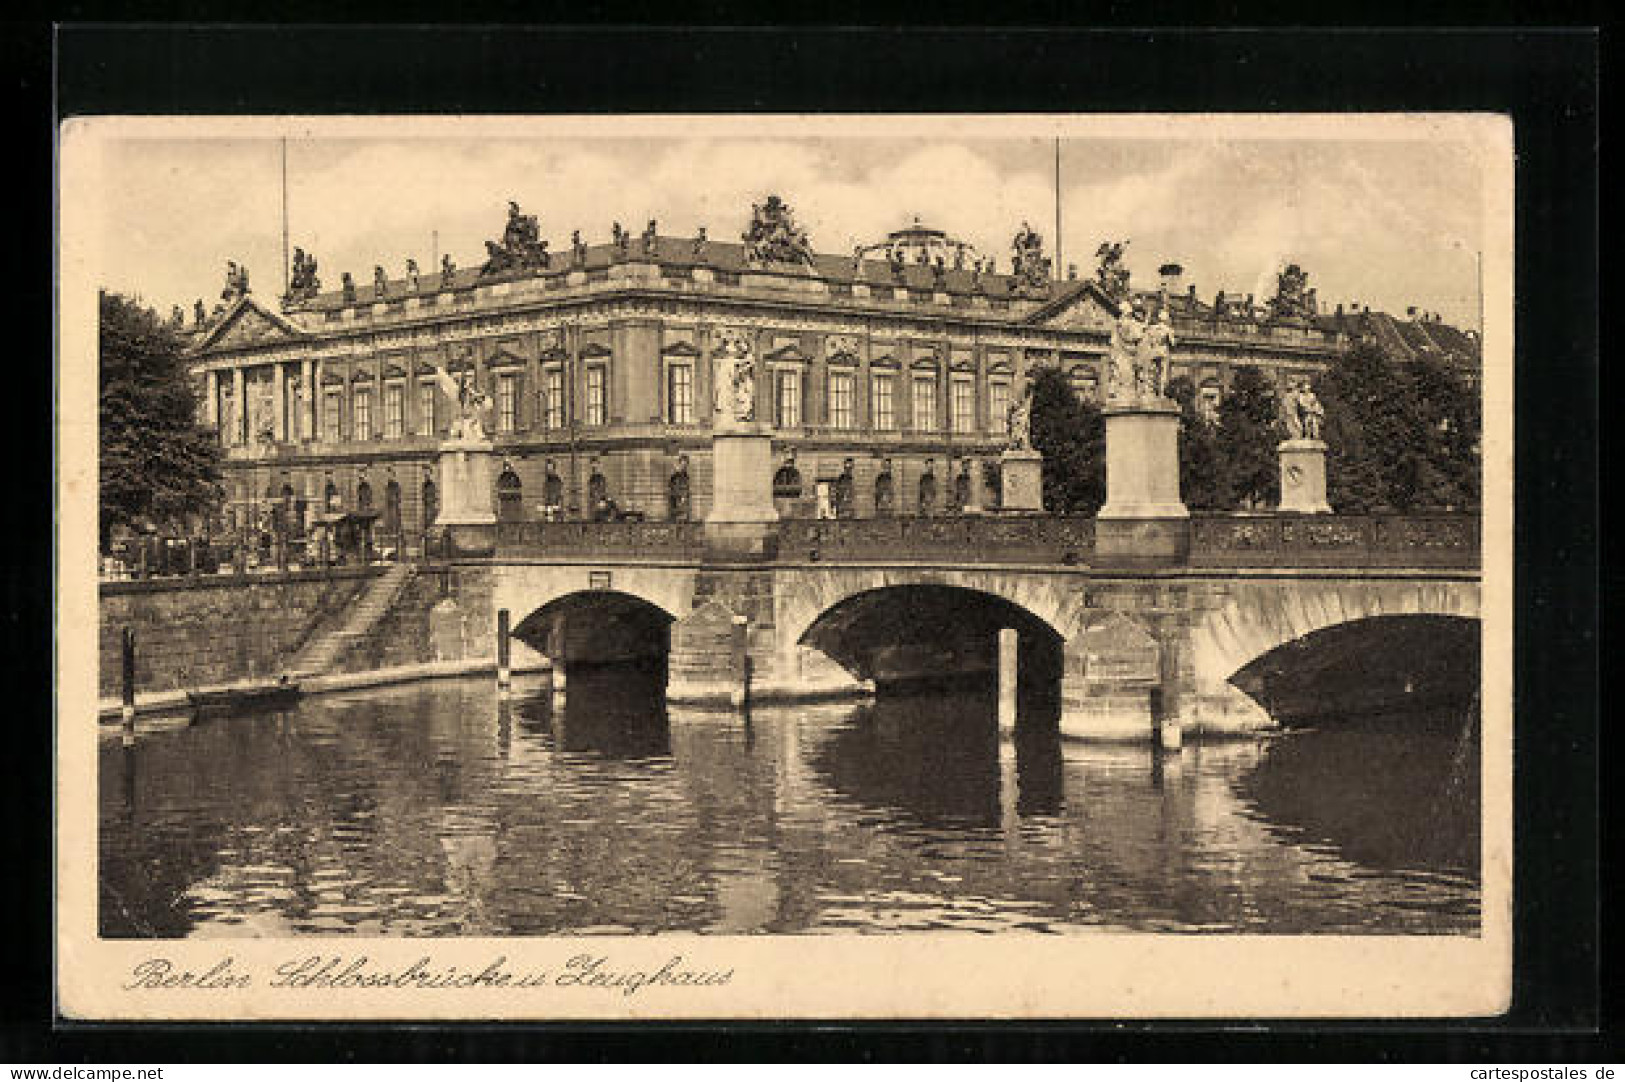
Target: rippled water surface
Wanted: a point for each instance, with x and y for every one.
(436, 810)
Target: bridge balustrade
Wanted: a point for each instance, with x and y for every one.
(1216, 541)
(1440, 540)
(656, 540)
(984, 539)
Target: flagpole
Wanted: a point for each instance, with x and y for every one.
(1059, 266)
(285, 282)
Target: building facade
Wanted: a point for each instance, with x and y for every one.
(886, 382)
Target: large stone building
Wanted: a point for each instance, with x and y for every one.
(885, 376)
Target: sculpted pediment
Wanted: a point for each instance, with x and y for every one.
(247, 326)
(1084, 309)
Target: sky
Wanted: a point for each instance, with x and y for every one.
(1385, 222)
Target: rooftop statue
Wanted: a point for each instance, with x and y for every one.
(522, 247)
(1110, 275)
(236, 282)
(1029, 264)
(302, 281)
(578, 248)
(773, 236)
(199, 316)
(177, 318)
(1293, 299)
(649, 235)
(412, 274)
(448, 271)
(347, 284)
(702, 246)
(380, 282)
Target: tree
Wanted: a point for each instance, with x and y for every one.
(1071, 435)
(1400, 436)
(1249, 432)
(158, 465)
(1201, 469)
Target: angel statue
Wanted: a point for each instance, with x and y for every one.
(471, 404)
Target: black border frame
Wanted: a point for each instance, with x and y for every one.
(1548, 81)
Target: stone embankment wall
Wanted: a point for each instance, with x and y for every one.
(215, 629)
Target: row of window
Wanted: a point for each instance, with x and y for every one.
(364, 423)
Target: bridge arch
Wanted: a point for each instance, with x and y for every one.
(804, 595)
(901, 630)
(1257, 621)
(598, 627)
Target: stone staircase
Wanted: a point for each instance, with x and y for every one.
(324, 650)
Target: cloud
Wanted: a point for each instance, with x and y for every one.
(1390, 224)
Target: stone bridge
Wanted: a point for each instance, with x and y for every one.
(1192, 644)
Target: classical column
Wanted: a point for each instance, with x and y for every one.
(279, 402)
(211, 398)
(307, 380)
(239, 420)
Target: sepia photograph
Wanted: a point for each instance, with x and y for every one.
(594, 560)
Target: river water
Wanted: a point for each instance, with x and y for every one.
(436, 809)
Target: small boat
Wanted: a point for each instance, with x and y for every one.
(245, 698)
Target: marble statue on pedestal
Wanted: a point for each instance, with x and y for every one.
(1018, 425)
(1123, 359)
(1156, 347)
(472, 404)
(1302, 412)
(733, 379)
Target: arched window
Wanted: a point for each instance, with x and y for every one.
(598, 497)
(392, 507)
(962, 489)
(928, 493)
(510, 496)
(363, 497)
(431, 504)
(885, 496)
(552, 491)
(787, 483)
(677, 497)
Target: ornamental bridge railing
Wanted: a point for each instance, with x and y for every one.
(1425, 540)
(1217, 542)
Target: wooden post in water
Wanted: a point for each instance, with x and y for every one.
(127, 708)
(739, 694)
(504, 653)
(1009, 659)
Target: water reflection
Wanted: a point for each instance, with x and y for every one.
(442, 809)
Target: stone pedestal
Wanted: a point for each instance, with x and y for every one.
(1021, 481)
(467, 522)
(742, 523)
(1303, 477)
(1144, 520)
